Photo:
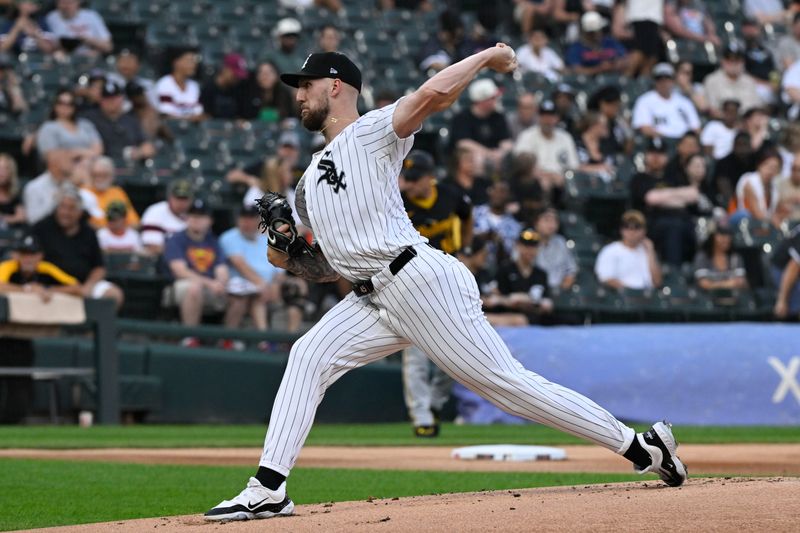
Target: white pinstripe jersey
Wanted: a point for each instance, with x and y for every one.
(350, 199)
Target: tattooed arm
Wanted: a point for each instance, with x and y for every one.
(311, 268)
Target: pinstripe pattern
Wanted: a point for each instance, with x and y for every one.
(433, 303)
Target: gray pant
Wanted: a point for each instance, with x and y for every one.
(425, 386)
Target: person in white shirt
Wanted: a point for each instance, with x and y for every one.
(536, 56)
(662, 112)
(717, 136)
(69, 22)
(39, 194)
(116, 236)
(631, 262)
(162, 219)
(178, 94)
(757, 192)
(553, 148)
(731, 82)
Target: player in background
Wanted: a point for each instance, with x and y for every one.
(444, 215)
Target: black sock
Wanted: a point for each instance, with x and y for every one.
(269, 478)
(637, 455)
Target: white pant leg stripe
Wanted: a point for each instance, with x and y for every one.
(545, 407)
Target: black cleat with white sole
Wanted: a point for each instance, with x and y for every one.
(254, 502)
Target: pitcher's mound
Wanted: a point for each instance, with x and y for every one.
(718, 504)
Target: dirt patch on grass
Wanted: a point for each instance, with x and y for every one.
(734, 504)
(733, 459)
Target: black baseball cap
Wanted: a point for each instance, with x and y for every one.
(417, 164)
(116, 210)
(181, 188)
(249, 210)
(529, 237)
(199, 207)
(734, 49)
(656, 144)
(29, 244)
(111, 89)
(332, 65)
(547, 107)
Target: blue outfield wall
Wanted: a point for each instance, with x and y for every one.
(715, 374)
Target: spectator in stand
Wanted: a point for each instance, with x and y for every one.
(80, 30)
(101, 186)
(666, 198)
(731, 82)
(662, 112)
(71, 244)
(553, 148)
(755, 121)
(89, 90)
(729, 169)
(448, 46)
(271, 174)
(329, 39)
(65, 131)
(757, 192)
(126, 75)
(717, 136)
(716, 265)
(687, 87)
(147, 114)
(595, 53)
(12, 212)
(523, 286)
(222, 96)
(554, 257)
(631, 262)
(25, 30)
(525, 189)
(120, 132)
(688, 19)
(39, 194)
(287, 53)
(646, 18)
(788, 51)
(567, 16)
(785, 269)
(27, 271)
(687, 146)
(765, 11)
(178, 94)
(197, 264)
(465, 176)
(791, 90)
(568, 114)
(266, 98)
(593, 160)
(696, 171)
(12, 100)
(494, 223)
(162, 219)
(789, 193)
(530, 14)
(608, 102)
(523, 116)
(758, 61)
(254, 283)
(117, 236)
(482, 128)
(536, 56)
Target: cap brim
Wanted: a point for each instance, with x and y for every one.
(293, 79)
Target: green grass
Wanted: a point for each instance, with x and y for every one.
(49, 493)
(164, 436)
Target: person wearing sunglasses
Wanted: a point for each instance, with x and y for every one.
(631, 262)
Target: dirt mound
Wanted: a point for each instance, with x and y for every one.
(733, 504)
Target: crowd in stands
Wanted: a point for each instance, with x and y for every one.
(610, 95)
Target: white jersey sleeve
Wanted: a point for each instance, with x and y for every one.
(375, 132)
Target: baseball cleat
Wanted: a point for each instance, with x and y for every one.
(255, 501)
(660, 443)
(427, 432)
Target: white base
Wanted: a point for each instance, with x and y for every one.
(509, 452)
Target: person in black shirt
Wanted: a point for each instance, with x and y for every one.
(222, 97)
(266, 98)
(730, 168)
(464, 176)
(26, 271)
(70, 243)
(121, 132)
(785, 267)
(439, 212)
(564, 99)
(608, 102)
(522, 285)
(665, 198)
(481, 127)
(687, 146)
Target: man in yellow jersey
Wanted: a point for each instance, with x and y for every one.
(27, 271)
(443, 214)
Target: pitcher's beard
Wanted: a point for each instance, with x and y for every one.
(315, 120)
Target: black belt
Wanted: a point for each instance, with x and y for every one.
(362, 288)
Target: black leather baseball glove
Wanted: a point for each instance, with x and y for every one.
(275, 211)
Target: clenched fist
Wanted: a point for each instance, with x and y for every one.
(502, 58)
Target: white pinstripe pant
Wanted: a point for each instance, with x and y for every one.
(433, 303)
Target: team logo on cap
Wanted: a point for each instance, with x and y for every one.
(334, 71)
(305, 62)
